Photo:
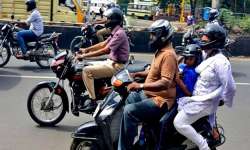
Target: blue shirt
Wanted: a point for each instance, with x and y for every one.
(189, 79)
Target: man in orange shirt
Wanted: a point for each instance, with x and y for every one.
(157, 94)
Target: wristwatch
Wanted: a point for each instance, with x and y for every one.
(141, 86)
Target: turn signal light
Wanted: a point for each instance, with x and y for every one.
(117, 83)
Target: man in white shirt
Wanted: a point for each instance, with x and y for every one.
(36, 28)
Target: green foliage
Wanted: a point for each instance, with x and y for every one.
(230, 20)
(245, 24)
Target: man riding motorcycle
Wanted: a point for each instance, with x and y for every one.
(213, 15)
(157, 94)
(36, 28)
(117, 46)
(105, 31)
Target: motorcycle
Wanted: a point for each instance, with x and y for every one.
(48, 102)
(103, 132)
(89, 38)
(192, 36)
(41, 51)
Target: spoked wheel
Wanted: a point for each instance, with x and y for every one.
(45, 114)
(45, 63)
(4, 54)
(79, 144)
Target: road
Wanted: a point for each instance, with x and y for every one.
(18, 131)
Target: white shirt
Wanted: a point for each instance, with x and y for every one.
(36, 22)
(214, 83)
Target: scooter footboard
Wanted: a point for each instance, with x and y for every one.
(88, 130)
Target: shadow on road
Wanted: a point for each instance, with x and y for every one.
(61, 128)
(30, 68)
(8, 83)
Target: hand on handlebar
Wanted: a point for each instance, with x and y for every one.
(79, 57)
(132, 75)
(83, 50)
(134, 86)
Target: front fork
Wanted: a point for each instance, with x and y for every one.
(1, 45)
(49, 101)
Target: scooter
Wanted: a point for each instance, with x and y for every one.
(103, 132)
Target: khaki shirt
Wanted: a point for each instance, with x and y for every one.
(164, 65)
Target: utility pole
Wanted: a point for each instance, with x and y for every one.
(216, 4)
(51, 10)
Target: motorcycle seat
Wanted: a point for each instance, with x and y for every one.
(43, 36)
(137, 67)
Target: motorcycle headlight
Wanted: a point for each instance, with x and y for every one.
(4, 27)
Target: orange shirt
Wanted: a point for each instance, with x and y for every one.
(164, 65)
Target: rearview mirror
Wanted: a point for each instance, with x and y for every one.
(131, 59)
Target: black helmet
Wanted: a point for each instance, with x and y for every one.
(216, 35)
(193, 50)
(115, 16)
(163, 32)
(213, 14)
(110, 5)
(31, 4)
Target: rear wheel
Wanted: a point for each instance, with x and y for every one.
(49, 53)
(45, 115)
(4, 54)
(80, 144)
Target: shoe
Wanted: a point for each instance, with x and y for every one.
(91, 107)
(75, 111)
(19, 55)
(22, 56)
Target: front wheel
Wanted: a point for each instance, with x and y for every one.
(4, 54)
(45, 115)
(80, 144)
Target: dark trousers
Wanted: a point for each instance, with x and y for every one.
(139, 109)
(167, 128)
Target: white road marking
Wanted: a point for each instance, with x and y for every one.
(242, 83)
(29, 77)
(50, 77)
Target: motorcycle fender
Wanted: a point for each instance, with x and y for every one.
(89, 130)
(59, 90)
(82, 38)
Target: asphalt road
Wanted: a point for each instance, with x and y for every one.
(18, 131)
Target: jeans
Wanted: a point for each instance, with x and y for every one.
(23, 37)
(167, 128)
(139, 109)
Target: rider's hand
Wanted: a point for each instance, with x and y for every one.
(134, 86)
(79, 57)
(133, 75)
(83, 50)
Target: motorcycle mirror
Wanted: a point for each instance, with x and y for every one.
(131, 59)
(12, 17)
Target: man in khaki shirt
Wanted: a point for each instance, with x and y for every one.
(158, 93)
